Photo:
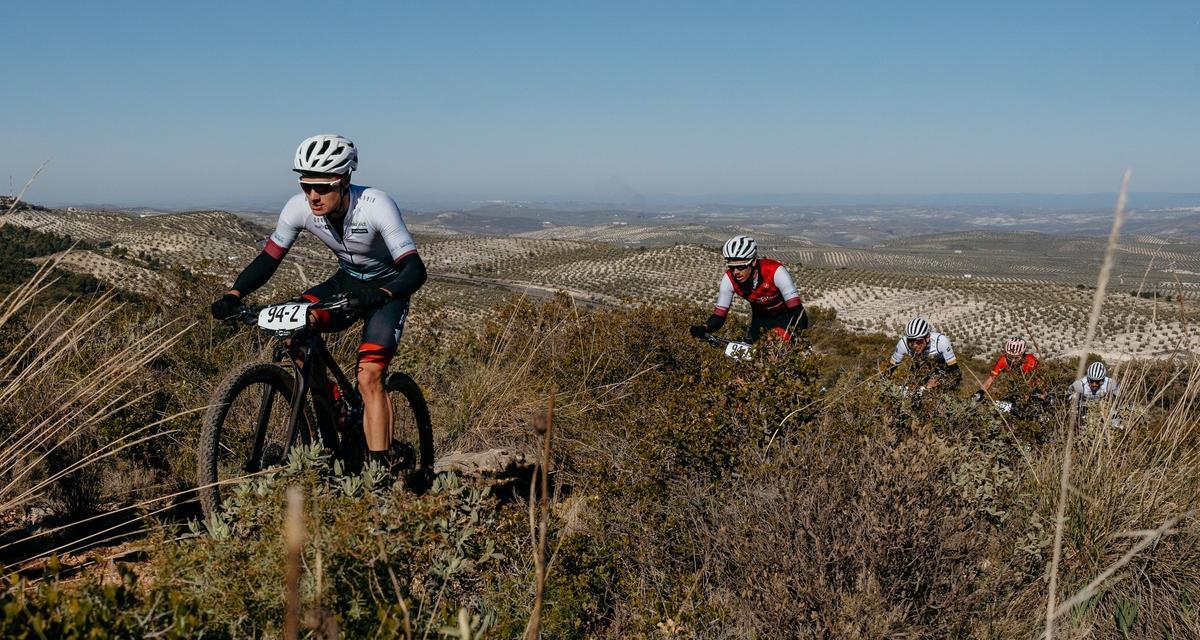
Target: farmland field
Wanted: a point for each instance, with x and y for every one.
(978, 287)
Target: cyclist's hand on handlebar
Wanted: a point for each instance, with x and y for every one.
(369, 299)
(226, 307)
(699, 331)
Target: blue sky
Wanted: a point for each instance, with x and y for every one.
(195, 103)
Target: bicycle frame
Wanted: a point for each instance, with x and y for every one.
(308, 354)
(260, 431)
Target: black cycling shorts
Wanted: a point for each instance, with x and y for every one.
(382, 327)
(785, 324)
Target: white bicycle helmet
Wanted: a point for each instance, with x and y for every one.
(916, 328)
(1014, 347)
(326, 153)
(740, 248)
(1096, 372)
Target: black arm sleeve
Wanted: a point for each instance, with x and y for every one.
(797, 319)
(714, 323)
(256, 273)
(412, 275)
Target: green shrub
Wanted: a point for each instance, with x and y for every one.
(361, 533)
(50, 609)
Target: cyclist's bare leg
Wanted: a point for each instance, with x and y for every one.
(377, 411)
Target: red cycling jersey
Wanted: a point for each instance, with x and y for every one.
(1027, 364)
(770, 290)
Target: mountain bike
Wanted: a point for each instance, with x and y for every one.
(744, 351)
(261, 410)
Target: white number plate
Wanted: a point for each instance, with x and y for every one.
(739, 351)
(284, 317)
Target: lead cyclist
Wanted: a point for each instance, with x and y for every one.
(378, 268)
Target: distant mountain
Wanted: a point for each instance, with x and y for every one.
(1018, 200)
(666, 202)
(1166, 215)
(845, 225)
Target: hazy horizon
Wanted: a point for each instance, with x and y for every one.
(1035, 201)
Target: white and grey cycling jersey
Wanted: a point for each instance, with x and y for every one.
(1082, 390)
(373, 235)
(938, 348)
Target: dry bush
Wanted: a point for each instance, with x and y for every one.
(888, 517)
(694, 513)
(485, 386)
(1126, 483)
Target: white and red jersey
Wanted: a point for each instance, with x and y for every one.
(372, 240)
(769, 290)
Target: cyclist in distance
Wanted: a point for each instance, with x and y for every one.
(765, 283)
(1094, 385)
(927, 348)
(1015, 355)
(378, 268)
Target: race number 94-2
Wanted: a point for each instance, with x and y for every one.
(283, 317)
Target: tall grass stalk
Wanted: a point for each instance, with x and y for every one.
(1065, 474)
(293, 539)
(1147, 538)
(545, 429)
(59, 399)
(190, 491)
(28, 183)
(27, 292)
(87, 401)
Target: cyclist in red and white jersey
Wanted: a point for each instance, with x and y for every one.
(1015, 358)
(928, 348)
(378, 267)
(775, 304)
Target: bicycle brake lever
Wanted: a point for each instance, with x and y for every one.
(334, 305)
(248, 316)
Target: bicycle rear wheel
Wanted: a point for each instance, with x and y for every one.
(246, 429)
(412, 430)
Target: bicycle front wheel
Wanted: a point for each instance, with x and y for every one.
(412, 429)
(246, 429)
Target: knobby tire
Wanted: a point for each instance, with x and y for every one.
(401, 383)
(218, 445)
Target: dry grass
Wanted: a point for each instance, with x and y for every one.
(17, 201)
(877, 517)
(491, 403)
(1064, 480)
(54, 403)
(1139, 484)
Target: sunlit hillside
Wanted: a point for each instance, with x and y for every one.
(798, 494)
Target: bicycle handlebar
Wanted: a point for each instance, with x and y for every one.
(249, 313)
(716, 341)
